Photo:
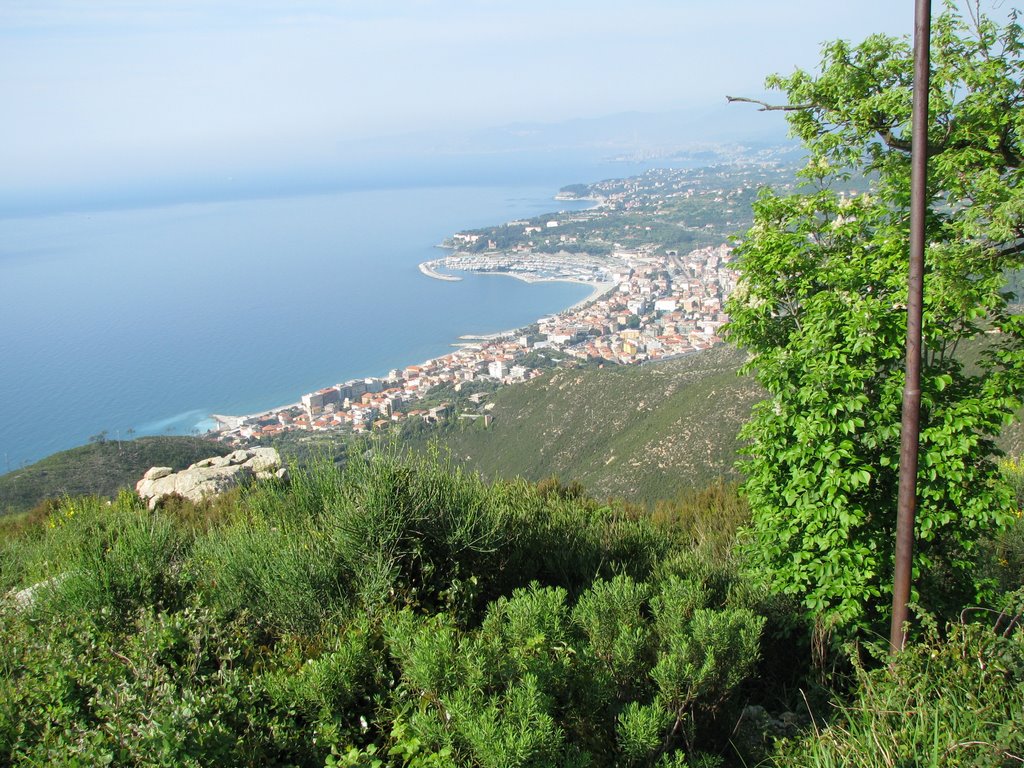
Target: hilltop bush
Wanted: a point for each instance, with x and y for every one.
(399, 610)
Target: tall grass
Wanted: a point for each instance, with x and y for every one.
(706, 517)
(956, 700)
(277, 573)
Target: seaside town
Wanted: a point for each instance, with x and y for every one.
(645, 306)
(652, 247)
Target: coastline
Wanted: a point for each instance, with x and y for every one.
(227, 422)
(598, 291)
(430, 269)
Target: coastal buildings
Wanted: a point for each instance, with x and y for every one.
(649, 304)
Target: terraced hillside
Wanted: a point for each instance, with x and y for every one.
(638, 432)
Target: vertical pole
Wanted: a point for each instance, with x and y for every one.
(910, 429)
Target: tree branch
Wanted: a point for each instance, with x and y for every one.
(766, 107)
(1010, 249)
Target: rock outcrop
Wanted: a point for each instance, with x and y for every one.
(210, 476)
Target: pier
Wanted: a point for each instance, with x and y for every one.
(428, 268)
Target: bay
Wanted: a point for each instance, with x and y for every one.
(148, 320)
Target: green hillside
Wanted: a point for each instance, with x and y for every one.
(637, 432)
(99, 468)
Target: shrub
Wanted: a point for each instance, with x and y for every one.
(109, 559)
(612, 616)
(167, 692)
(396, 612)
(411, 533)
(707, 518)
(280, 574)
(324, 698)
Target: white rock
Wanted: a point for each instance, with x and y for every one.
(264, 460)
(210, 477)
(209, 481)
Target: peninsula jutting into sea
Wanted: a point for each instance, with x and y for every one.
(658, 293)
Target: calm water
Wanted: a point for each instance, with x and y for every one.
(152, 319)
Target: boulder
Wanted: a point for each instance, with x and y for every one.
(212, 476)
(197, 484)
(264, 460)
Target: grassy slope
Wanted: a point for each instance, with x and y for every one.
(99, 468)
(641, 433)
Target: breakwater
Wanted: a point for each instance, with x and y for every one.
(429, 268)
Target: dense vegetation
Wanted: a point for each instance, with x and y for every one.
(821, 308)
(401, 612)
(395, 605)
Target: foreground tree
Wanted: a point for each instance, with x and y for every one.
(821, 309)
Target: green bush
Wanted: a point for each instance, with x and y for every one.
(626, 676)
(165, 693)
(279, 573)
(108, 559)
(612, 617)
(320, 699)
(706, 518)
(397, 612)
(412, 533)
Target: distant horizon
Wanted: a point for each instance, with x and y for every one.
(143, 94)
(430, 159)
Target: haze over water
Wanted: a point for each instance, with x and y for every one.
(150, 319)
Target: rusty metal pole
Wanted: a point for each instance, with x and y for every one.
(910, 429)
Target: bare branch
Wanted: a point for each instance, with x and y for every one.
(766, 107)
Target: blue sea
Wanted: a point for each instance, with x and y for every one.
(147, 320)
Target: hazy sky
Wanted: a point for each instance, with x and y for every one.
(98, 89)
